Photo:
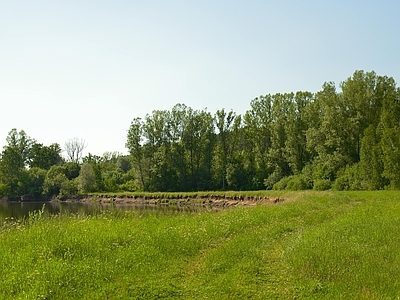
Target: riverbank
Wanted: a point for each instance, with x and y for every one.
(218, 198)
(214, 199)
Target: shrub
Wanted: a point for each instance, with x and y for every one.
(322, 185)
(350, 178)
(341, 184)
(274, 178)
(52, 183)
(69, 189)
(298, 182)
(87, 178)
(281, 184)
(130, 186)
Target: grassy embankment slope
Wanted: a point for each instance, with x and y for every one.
(314, 245)
(215, 199)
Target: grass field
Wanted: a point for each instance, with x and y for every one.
(314, 245)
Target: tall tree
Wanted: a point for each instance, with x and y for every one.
(371, 160)
(156, 149)
(257, 126)
(388, 129)
(280, 113)
(296, 127)
(328, 137)
(196, 141)
(362, 105)
(135, 147)
(225, 123)
(14, 159)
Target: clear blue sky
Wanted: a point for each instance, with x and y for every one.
(85, 69)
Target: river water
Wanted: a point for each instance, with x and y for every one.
(20, 210)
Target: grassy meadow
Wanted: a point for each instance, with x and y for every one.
(314, 245)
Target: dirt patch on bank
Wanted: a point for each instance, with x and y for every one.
(203, 201)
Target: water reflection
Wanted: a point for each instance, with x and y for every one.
(20, 210)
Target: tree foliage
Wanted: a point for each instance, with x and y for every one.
(347, 136)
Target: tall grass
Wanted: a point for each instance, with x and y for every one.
(313, 245)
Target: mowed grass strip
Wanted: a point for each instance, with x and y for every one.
(314, 245)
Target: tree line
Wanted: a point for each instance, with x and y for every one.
(345, 139)
(30, 170)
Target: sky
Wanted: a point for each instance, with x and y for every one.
(86, 69)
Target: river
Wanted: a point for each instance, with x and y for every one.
(20, 210)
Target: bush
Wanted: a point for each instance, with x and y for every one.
(68, 190)
(52, 183)
(110, 185)
(273, 179)
(322, 185)
(328, 166)
(298, 182)
(350, 179)
(130, 186)
(282, 184)
(341, 184)
(87, 178)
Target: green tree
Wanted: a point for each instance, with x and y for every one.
(371, 160)
(123, 163)
(22, 143)
(178, 152)
(87, 178)
(296, 127)
(13, 160)
(224, 122)
(388, 130)
(61, 181)
(11, 168)
(135, 148)
(197, 143)
(362, 104)
(257, 129)
(32, 183)
(68, 189)
(280, 117)
(157, 133)
(71, 170)
(328, 137)
(45, 156)
(54, 180)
